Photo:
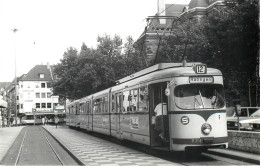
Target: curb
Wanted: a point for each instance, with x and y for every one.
(232, 156)
(74, 155)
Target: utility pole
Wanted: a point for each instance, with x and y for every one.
(249, 93)
(15, 79)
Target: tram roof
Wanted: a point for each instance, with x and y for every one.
(157, 67)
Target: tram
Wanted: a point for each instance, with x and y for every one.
(191, 93)
(36, 118)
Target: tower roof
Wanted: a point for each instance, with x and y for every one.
(198, 3)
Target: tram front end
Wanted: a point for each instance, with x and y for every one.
(197, 110)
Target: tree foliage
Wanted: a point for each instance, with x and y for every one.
(92, 70)
(227, 39)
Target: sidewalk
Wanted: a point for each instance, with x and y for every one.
(98, 152)
(239, 155)
(84, 146)
(7, 137)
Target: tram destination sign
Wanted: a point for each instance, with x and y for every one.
(195, 80)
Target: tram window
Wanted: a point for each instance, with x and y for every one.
(126, 98)
(199, 96)
(133, 99)
(105, 104)
(118, 104)
(87, 107)
(113, 103)
(84, 108)
(80, 108)
(72, 110)
(77, 109)
(90, 107)
(143, 99)
(96, 108)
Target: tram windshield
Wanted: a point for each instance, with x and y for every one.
(199, 96)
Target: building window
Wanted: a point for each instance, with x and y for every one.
(37, 95)
(43, 105)
(48, 95)
(17, 97)
(21, 106)
(37, 105)
(48, 105)
(48, 85)
(21, 86)
(37, 86)
(43, 85)
(43, 95)
(41, 75)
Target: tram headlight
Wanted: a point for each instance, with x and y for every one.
(206, 128)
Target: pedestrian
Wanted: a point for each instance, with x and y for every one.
(11, 121)
(43, 121)
(46, 120)
(56, 120)
(161, 120)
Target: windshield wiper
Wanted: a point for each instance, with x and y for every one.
(201, 100)
(195, 99)
(218, 96)
(215, 101)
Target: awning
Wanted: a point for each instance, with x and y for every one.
(3, 104)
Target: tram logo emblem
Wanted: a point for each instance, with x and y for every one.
(185, 120)
(134, 123)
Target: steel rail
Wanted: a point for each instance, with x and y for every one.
(20, 150)
(52, 148)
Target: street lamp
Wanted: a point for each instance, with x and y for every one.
(15, 81)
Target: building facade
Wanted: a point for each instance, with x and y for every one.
(162, 23)
(34, 91)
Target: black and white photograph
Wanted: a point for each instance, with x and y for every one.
(129, 82)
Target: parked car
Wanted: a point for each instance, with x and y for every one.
(255, 123)
(248, 120)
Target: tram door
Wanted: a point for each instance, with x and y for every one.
(119, 100)
(159, 125)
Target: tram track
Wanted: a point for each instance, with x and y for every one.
(20, 150)
(35, 146)
(49, 143)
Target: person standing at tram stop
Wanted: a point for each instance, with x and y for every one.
(43, 121)
(161, 120)
(56, 120)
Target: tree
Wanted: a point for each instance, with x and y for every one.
(233, 43)
(108, 46)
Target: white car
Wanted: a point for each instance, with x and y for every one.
(248, 120)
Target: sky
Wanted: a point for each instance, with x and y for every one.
(46, 28)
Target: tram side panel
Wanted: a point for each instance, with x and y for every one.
(135, 127)
(101, 119)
